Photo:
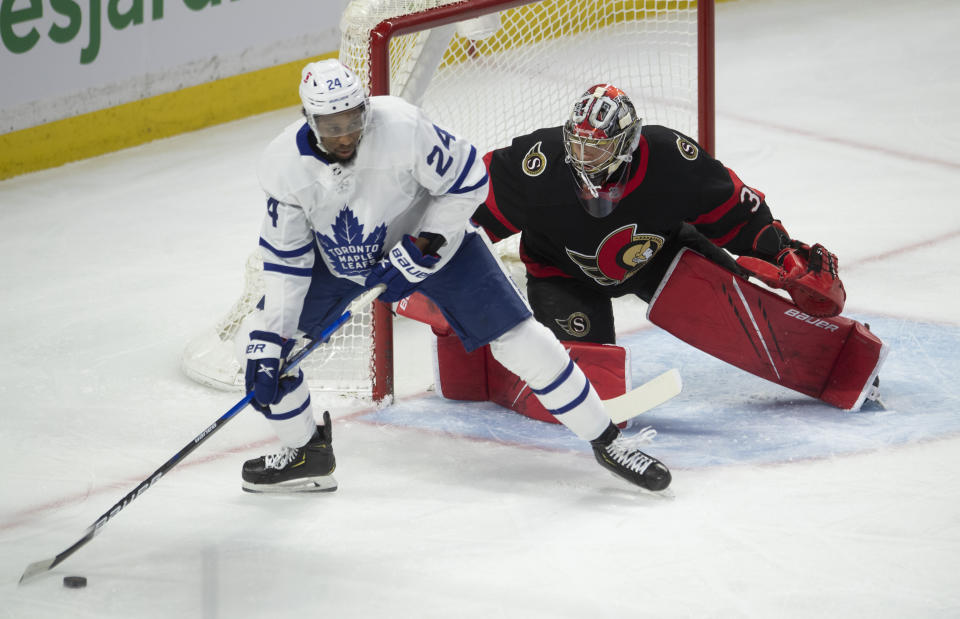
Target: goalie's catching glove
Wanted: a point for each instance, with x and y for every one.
(808, 274)
(402, 270)
(265, 355)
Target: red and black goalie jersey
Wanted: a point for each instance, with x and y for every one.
(672, 184)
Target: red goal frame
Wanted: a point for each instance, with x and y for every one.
(382, 326)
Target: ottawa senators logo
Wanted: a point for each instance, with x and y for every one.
(620, 255)
(576, 324)
(534, 162)
(688, 150)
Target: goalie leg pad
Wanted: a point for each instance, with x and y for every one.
(531, 352)
(862, 354)
(458, 374)
(477, 376)
(420, 308)
(765, 334)
(607, 366)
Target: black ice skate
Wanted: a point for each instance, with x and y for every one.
(620, 455)
(304, 469)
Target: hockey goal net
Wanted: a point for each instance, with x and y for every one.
(490, 70)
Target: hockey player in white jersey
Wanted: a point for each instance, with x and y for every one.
(368, 191)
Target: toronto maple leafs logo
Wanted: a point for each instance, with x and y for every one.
(349, 251)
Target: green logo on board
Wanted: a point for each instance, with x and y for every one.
(19, 31)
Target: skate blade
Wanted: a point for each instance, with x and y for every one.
(870, 406)
(325, 483)
(625, 484)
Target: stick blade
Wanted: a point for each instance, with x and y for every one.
(646, 396)
(35, 569)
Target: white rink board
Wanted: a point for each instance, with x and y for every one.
(114, 262)
(103, 66)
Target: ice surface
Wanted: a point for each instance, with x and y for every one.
(842, 112)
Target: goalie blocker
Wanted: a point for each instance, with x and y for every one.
(833, 359)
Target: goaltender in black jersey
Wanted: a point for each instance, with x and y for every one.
(605, 205)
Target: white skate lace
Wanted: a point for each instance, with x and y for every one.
(625, 450)
(280, 459)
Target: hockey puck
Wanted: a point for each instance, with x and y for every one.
(74, 582)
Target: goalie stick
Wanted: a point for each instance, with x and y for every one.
(648, 395)
(40, 567)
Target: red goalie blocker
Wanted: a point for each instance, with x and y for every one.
(833, 359)
(476, 376)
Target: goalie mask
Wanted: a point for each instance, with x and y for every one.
(599, 137)
(335, 105)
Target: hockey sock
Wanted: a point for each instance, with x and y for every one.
(292, 417)
(530, 351)
(574, 402)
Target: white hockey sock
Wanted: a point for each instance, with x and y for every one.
(575, 403)
(292, 417)
(531, 351)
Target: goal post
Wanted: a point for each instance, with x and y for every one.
(387, 66)
(489, 70)
(706, 77)
(678, 35)
(462, 10)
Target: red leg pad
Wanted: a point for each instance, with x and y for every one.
(607, 367)
(461, 375)
(862, 355)
(477, 376)
(420, 308)
(728, 317)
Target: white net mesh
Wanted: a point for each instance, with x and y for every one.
(517, 70)
(488, 80)
(340, 365)
(527, 74)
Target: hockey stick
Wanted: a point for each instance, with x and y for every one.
(39, 567)
(648, 395)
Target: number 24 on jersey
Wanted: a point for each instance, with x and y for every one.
(441, 159)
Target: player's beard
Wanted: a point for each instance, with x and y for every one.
(331, 153)
(343, 160)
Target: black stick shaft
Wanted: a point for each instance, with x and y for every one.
(152, 479)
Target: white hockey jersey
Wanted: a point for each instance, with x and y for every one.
(409, 176)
